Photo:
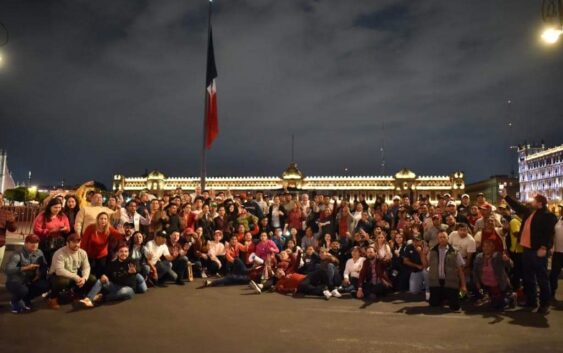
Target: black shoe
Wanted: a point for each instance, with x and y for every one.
(161, 284)
(543, 310)
(180, 282)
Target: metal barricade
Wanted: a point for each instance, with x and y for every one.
(25, 215)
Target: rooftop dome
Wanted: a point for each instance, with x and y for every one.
(405, 174)
(292, 172)
(155, 174)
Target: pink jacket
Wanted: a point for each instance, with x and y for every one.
(42, 228)
(265, 249)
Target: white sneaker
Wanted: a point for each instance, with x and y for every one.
(427, 296)
(203, 274)
(335, 293)
(255, 287)
(327, 294)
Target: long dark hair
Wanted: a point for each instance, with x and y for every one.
(53, 202)
(76, 208)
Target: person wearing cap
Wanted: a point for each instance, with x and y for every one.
(536, 237)
(465, 205)
(486, 211)
(451, 209)
(154, 251)
(26, 272)
(481, 200)
(70, 269)
(557, 259)
(215, 257)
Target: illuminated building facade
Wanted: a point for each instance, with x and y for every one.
(541, 171)
(293, 180)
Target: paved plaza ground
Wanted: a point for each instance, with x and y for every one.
(235, 319)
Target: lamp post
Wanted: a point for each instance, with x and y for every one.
(552, 15)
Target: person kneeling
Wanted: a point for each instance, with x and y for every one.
(373, 279)
(121, 279)
(445, 274)
(490, 275)
(161, 269)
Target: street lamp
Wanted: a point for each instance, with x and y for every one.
(552, 14)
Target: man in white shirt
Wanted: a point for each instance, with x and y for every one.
(154, 250)
(464, 243)
(129, 214)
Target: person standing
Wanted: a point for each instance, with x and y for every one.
(7, 224)
(557, 259)
(536, 237)
(51, 226)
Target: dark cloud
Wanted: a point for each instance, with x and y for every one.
(91, 88)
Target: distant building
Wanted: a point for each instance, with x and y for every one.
(292, 179)
(541, 171)
(490, 187)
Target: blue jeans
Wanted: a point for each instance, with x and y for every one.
(164, 268)
(26, 291)
(534, 271)
(115, 292)
(419, 281)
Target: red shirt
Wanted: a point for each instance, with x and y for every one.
(43, 227)
(96, 243)
(493, 235)
(289, 283)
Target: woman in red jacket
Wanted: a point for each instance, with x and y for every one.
(100, 241)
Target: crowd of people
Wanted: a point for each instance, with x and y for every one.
(87, 249)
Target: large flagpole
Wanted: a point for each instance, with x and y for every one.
(204, 140)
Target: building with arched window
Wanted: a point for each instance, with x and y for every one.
(541, 171)
(404, 182)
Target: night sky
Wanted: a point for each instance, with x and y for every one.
(93, 88)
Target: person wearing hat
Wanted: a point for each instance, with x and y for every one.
(451, 209)
(154, 251)
(557, 259)
(486, 211)
(465, 205)
(70, 269)
(26, 272)
(536, 237)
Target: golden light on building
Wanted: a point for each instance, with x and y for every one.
(404, 182)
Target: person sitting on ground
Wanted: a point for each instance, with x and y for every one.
(161, 269)
(373, 280)
(265, 247)
(70, 270)
(490, 275)
(233, 250)
(137, 253)
(352, 271)
(26, 275)
(311, 261)
(445, 275)
(178, 250)
(120, 281)
(215, 254)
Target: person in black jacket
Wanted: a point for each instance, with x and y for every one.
(120, 281)
(536, 237)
